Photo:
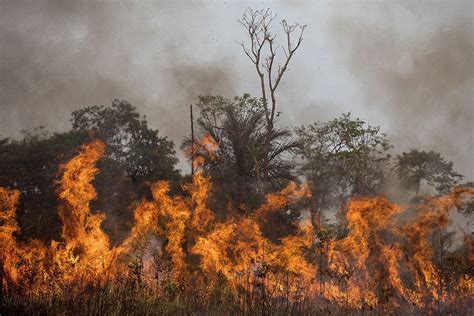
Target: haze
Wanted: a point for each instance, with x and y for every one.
(407, 66)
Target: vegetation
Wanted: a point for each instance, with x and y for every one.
(415, 166)
(135, 155)
(274, 221)
(221, 243)
(342, 158)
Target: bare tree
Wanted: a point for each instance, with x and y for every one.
(262, 50)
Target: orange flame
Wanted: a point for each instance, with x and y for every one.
(377, 261)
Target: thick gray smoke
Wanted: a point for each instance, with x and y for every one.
(57, 56)
(407, 66)
(415, 66)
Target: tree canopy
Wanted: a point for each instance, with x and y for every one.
(238, 127)
(342, 157)
(415, 166)
(130, 142)
(135, 155)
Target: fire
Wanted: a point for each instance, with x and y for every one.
(85, 250)
(433, 218)
(361, 258)
(378, 261)
(8, 201)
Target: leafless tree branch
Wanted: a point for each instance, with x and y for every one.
(262, 52)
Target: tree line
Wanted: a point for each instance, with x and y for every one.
(339, 158)
(255, 154)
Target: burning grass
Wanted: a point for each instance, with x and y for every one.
(179, 258)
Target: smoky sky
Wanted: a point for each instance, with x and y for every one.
(58, 56)
(417, 75)
(407, 66)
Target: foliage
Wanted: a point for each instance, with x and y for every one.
(30, 165)
(236, 167)
(136, 154)
(238, 127)
(414, 166)
(266, 258)
(130, 142)
(342, 157)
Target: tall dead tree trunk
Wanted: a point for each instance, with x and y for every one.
(262, 51)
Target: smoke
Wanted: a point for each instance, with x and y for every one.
(58, 56)
(414, 64)
(410, 64)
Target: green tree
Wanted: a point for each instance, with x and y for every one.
(239, 129)
(130, 142)
(135, 155)
(469, 207)
(341, 157)
(30, 165)
(415, 166)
